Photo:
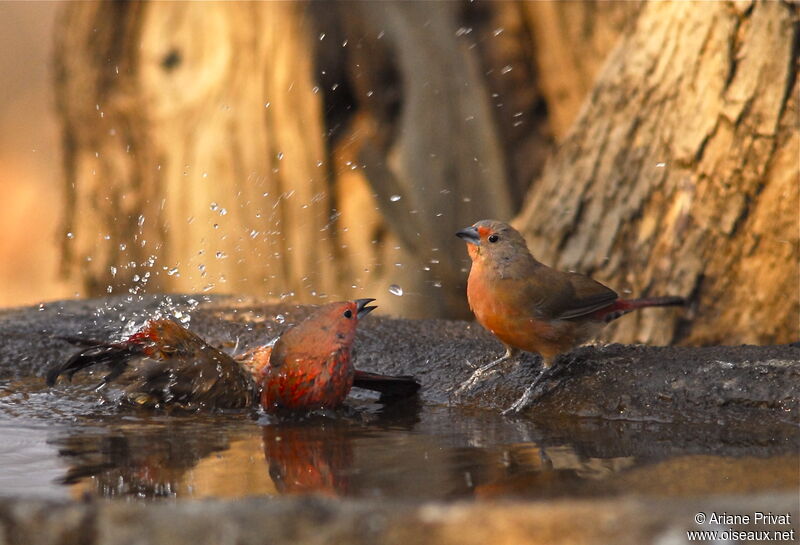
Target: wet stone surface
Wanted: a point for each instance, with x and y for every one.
(660, 384)
(624, 435)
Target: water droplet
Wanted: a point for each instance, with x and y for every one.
(113, 270)
(173, 272)
(123, 246)
(506, 69)
(395, 198)
(214, 206)
(321, 36)
(661, 165)
(394, 289)
(141, 220)
(70, 235)
(280, 156)
(220, 255)
(280, 318)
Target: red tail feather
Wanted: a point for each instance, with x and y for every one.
(620, 307)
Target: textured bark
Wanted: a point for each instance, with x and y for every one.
(282, 148)
(570, 42)
(193, 136)
(304, 122)
(681, 174)
(404, 182)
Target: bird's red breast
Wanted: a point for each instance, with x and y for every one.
(308, 382)
(311, 366)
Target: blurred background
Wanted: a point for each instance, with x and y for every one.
(317, 151)
(30, 167)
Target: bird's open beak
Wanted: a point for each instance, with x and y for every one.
(470, 235)
(362, 308)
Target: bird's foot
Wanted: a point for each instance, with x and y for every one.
(532, 393)
(476, 377)
(480, 372)
(525, 400)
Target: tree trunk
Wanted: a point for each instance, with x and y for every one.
(194, 148)
(681, 175)
(277, 147)
(570, 42)
(334, 149)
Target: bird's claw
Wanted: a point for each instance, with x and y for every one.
(524, 401)
(476, 377)
(531, 393)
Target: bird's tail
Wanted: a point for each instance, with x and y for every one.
(114, 355)
(624, 306)
(389, 387)
(155, 338)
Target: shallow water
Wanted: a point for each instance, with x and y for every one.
(72, 441)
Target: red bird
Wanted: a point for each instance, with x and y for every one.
(532, 307)
(309, 367)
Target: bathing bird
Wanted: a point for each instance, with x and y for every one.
(309, 367)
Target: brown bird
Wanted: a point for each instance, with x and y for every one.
(532, 307)
(309, 367)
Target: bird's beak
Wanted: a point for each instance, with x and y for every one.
(470, 236)
(362, 308)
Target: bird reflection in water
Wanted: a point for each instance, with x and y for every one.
(359, 452)
(309, 458)
(223, 458)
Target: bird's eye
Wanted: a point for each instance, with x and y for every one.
(348, 313)
(494, 238)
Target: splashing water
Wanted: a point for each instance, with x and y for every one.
(394, 289)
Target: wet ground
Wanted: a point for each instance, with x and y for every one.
(619, 422)
(75, 443)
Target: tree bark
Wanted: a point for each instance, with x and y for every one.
(680, 176)
(570, 42)
(277, 147)
(312, 150)
(194, 148)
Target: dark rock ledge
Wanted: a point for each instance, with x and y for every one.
(752, 390)
(720, 384)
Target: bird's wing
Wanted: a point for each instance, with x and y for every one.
(187, 370)
(587, 296)
(163, 363)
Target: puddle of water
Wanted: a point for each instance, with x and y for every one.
(65, 443)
